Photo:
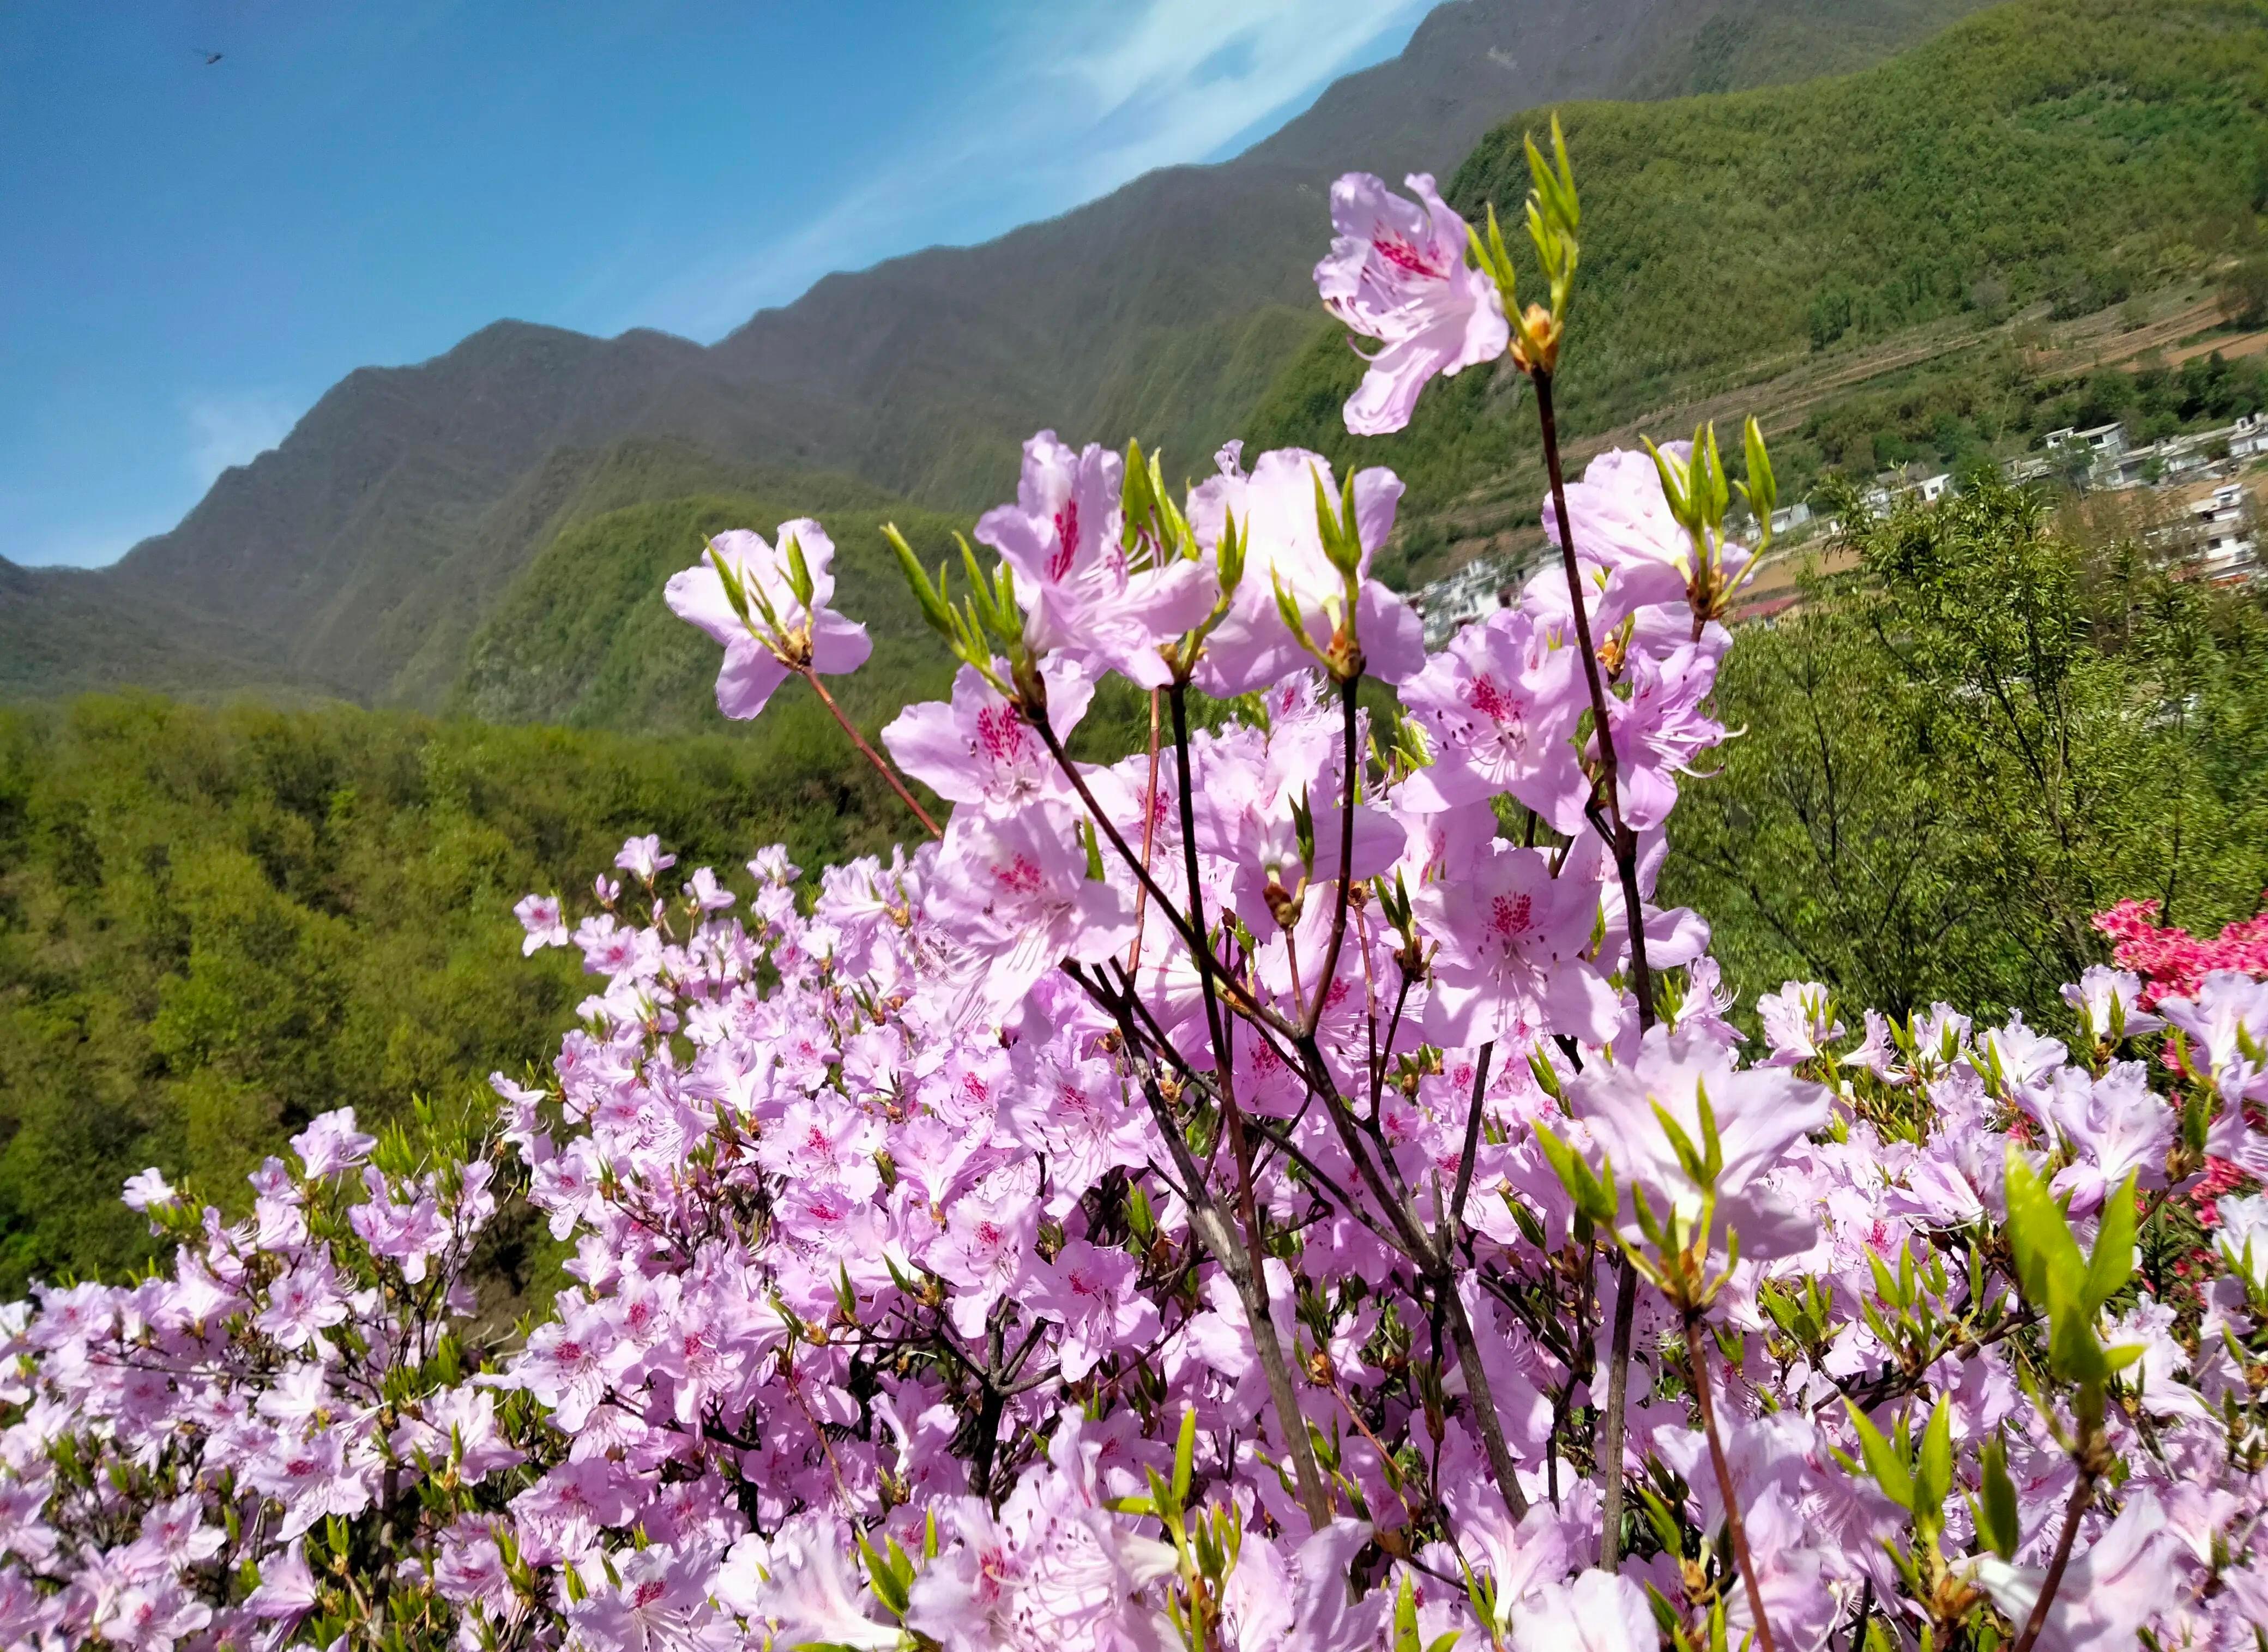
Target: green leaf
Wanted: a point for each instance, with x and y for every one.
(1996, 1520)
(798, 573)
(2048, 1262)
(1688, 1155)
(1932, 1477)
(1884, 1462)
(2112, 1265)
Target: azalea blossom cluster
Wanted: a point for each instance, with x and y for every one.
(1292, 1186)
(2172, 961)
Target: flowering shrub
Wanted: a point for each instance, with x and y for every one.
(1290, 1188)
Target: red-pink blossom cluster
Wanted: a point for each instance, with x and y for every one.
(2172, 961)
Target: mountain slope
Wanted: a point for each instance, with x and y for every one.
(365, 547)
(2048, 150)
(63, 630)
(382, 486)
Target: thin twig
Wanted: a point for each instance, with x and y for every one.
(1623, 843)
(1149, 830)
(1610, 1449)
(1346, 862)
(1698, 1368)
(872, 755)
(2082, 1495)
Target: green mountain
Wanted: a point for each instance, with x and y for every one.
(2048, 153)
(361, 554)
(2057, 150)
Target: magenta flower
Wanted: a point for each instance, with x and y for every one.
(1019, 894)
(761, 652)
(287, 1587)
(1091, 1291)
(149, 1190)
(540, 916)
(1499, 708)
(1511, 938)
(1760, 1113)
(1397, 273)
(1625, 538)
(332, 1144)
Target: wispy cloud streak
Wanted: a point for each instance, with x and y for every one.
(1067, 111)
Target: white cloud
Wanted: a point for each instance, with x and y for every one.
(1068, 113)
(1189, 75)
(233, 428)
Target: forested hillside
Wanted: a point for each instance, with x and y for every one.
(2065, 151)
(215, 924)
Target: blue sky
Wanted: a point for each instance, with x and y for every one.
(191, 254)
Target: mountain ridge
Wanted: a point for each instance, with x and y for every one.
(1162, 311)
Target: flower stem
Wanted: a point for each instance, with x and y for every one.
(1149, 830)
(1620, 837)
(1623, 843)
(1292, 1421)
(1346, 861)
(1610, 1449)
(1696, 1364)
(872, 755)
(2082, 1495)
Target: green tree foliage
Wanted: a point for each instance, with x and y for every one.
(215, 924)
(1950, 762)
(2049, 150)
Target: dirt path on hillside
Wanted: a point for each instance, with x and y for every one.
(1784, 390)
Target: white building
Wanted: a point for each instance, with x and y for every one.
(1473, 592)
(2226, 539)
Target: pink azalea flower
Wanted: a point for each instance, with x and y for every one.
(1062, 538)
(303, 1304)
(332, 1144)
(149, 1190)
(2111, 1588)
(1274, 508)
(1511, 938)
(1019, 894)
(1397, 273)
(1797, 1022)
(1760, 1112)
(753, 665)
(540, 916)
(642, 857)
(1091, 1291)
(2108, 999)
(287, 1587)
(1625, 538)
(1600, 1611)
(978, 749)
(1499, 707)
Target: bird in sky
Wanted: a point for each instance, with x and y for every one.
(210, 57)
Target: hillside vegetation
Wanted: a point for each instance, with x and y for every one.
(2057, 150)
(217, 923)
(1953, 756)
